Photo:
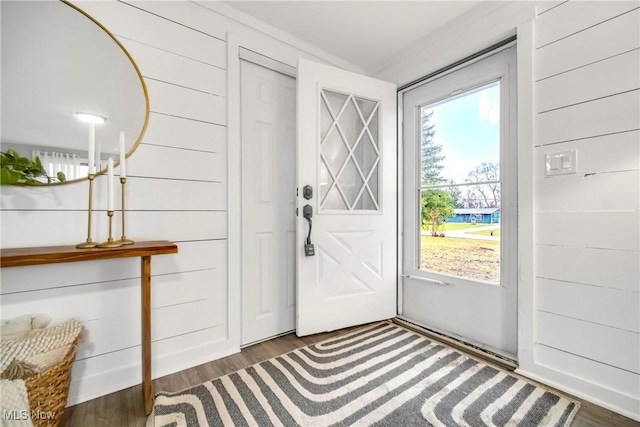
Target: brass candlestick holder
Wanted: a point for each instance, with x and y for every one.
(124, 239)
(89, 243)
(110, 243)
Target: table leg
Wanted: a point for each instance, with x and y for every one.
(147, 385)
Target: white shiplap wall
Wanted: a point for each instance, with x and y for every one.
(579, 268)
(587, 225)
(178, 189)
(585, 99)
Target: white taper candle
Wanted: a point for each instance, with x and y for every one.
(98, 156)
(110, 185)
(92, 146)
(123, 153)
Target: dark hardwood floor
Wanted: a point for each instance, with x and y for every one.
(125, 408)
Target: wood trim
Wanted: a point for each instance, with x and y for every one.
(525, 176)
(234, 196)
(18, 257)
(267, 62)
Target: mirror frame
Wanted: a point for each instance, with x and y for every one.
(144, 91)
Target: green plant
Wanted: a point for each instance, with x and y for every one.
(437, 206)
(16, 169)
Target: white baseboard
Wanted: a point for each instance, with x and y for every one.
(86, 388)
(613, 400)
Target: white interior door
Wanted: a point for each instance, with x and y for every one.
(460, 204)
(347, 149)
(268, 202)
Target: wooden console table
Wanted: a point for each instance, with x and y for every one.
(56, 254)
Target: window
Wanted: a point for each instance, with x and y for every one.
(349, 152)
(460, 177)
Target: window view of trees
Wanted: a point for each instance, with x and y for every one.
(436, 205)
(483, 195)
(460, 218)
(430, 153)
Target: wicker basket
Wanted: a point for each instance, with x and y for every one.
(48, 391)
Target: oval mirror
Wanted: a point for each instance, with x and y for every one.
(57, 62)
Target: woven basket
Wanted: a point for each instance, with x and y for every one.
(48, 391)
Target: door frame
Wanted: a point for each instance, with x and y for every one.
(267, 43)
(459, 65)
(525, 147)
(525, 116)
(237, 46)
(251, 58)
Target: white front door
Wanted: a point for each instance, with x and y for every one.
(460, 211)
(268, 202)
(347, 154)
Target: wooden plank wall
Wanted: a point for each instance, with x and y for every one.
(584, 251)
(587, 225)
(177, 190)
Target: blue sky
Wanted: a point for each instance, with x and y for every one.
(468, 127)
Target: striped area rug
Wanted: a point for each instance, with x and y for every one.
(381, 374)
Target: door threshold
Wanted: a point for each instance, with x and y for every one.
(485, 355)
(281, 334)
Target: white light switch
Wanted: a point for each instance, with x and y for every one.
(561, 163)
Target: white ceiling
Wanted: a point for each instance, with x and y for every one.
(364, 33)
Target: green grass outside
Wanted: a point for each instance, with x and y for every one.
(450, 226)
(468, 258)
(496, 232)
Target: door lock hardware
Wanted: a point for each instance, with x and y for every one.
(309, 250)
(307, 192)
(307, 213)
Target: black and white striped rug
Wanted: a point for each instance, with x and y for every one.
(382, 374)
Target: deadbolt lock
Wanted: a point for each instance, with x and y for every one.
(307, 192)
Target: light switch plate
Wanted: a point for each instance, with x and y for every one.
(561, 163)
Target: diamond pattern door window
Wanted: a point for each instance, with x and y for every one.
(349, 152)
